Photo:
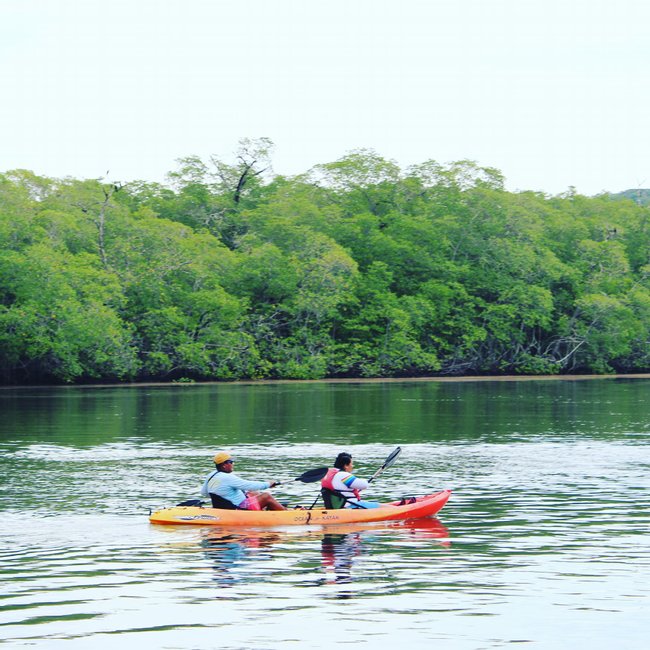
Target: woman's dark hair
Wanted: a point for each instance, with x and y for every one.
(342, 460)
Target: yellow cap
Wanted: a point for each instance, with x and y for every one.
(222, 457)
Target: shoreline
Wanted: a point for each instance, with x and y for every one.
(369, 380)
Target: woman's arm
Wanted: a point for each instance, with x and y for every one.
(349, 482)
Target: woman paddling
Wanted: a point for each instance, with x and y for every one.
(340, 481)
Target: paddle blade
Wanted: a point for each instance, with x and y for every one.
(392, 458)
(387, 463)
(312, 475)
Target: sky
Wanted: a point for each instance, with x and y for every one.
(553, 93)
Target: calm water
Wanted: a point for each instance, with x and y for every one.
(546, 540)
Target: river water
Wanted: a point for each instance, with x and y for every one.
(544, 542)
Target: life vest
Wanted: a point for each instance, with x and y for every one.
(328, 479)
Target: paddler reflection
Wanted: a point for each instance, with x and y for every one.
(342, 545)
(337, 556)
(229, 550)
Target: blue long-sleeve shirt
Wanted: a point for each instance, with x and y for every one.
(230, 486)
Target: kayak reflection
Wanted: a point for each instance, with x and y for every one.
(427, 529)
(230, 550)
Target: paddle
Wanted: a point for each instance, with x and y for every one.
(310, 476)
(389, 462)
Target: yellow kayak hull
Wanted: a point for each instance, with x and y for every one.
(425, 506)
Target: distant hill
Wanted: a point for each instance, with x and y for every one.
(640, 196)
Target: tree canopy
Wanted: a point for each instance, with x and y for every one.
(356, 268)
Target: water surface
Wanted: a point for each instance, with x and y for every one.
(545, 540)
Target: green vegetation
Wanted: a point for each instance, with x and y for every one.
(640, 196)
(355, 269)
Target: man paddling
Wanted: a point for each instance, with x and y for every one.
(227, 490)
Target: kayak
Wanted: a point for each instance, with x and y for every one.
(422, 528)
(424, 506)
(415, 508)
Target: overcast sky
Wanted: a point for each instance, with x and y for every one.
(554, 93)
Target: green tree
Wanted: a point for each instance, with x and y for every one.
(59, 318)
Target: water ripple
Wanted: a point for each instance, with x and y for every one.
(545, 527)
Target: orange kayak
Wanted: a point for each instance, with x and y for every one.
(425, 506)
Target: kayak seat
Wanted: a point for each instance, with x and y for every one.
(221, 503)
(334, 500)
(197, 503)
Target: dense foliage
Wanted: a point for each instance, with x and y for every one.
(355, 269)
(640, 196)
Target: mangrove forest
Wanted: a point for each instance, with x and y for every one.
(356, 268)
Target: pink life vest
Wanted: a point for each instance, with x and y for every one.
(329, 477)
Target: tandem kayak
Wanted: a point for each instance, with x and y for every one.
(425, 506)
